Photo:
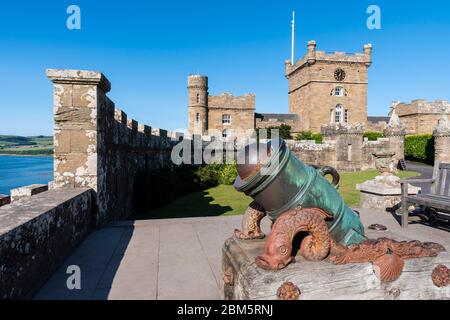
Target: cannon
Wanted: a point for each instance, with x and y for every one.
(289, 183)
(299, 199)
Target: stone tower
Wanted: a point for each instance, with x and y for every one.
(329, 87)
(198, 104)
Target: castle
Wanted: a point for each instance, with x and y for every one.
(421, 116)
(323, 88)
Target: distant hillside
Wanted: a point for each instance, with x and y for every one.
(17, 145)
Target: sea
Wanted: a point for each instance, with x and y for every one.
(19, 171)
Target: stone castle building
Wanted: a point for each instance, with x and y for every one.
(329, 87)
(323, 88)
(421, 116)
(225, 112)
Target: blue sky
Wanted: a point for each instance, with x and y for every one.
(148, 48)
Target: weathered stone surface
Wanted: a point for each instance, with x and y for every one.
(324, 280)
(383, 192)
(97, 146)
(421, 116)
(442, 140)
(27, 191)
(37, 234)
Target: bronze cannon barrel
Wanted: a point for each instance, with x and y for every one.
(279, 181)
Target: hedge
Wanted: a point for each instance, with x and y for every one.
(373, 136)
(307, 135)
(284, 131)
(420, 148)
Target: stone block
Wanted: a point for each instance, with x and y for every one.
(27, 191)
(4, 200)
(383, 192)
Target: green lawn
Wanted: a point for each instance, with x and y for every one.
(218, 201)
(226, 201)
(350, 180)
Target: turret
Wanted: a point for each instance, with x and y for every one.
(368, 54)
(198, 104)
(312, 51)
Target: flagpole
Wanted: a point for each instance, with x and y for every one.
(293, 38)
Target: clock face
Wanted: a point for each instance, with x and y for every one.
(339, 74)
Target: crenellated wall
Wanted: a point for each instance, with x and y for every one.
(98, 146)
(345, 149)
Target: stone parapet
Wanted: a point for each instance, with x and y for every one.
(36, 236)
(98, 146)
(342, 129)
(27, 191)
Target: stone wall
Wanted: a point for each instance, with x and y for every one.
(37, 234)
(421, 116)
(344, 148)
(240, 109)
(97, 146)
(313, 153)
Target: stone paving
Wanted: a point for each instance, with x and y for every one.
(176, 259)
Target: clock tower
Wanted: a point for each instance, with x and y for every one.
(326, 88)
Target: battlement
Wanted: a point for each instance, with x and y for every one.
(422, 106)
(313, 55)
(229, 101)
(98, 146)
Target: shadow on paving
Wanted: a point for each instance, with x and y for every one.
(194, 205)
(101, 260)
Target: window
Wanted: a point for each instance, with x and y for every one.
(346, 116)
(197, 117)
(226, 133)
(339, 91)
(338, 113)
(226, 119)
(198, 97)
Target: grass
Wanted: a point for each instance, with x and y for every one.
(349, 180)
(218, 201)
(226, 201)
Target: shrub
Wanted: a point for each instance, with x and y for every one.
(284, 129)
(420, 148)
(214, 174)
(307, 135)
(373, 136)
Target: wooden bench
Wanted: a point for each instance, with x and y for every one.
(439, 197)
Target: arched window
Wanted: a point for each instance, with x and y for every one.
(339, 92)
(226, 133)
(338, 116)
